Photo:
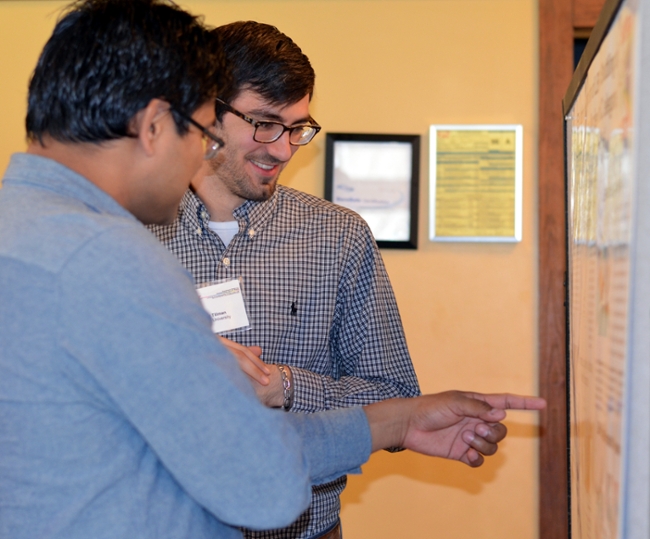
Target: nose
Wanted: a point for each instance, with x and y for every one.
(281, 149)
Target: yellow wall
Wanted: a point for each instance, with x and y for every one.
(469, 310)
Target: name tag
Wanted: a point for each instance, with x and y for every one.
(225, 304)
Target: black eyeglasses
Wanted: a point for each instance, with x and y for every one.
(211, 142)
(267, 132)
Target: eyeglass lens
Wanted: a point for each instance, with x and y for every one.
(271, 131)
(211, 146)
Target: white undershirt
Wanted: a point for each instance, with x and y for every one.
(226, 231)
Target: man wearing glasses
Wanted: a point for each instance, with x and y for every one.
(318, 299)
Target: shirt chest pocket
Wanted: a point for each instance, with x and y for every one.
(274, 317)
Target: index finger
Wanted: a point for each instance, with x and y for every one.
(509, 401)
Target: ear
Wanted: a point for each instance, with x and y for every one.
(146, 125)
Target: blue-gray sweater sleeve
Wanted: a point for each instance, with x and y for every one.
(333, 440)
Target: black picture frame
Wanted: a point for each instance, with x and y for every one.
(378, 176)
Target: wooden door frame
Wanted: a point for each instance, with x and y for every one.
(560, 21)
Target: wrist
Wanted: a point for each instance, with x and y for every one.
(388, 422)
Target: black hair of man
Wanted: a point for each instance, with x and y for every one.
(263, 59)
(107, 59)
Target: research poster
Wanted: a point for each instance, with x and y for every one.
(601, 187)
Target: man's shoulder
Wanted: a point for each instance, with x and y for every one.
(58, 227)
(292, 199)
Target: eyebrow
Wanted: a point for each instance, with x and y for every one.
(264, 115)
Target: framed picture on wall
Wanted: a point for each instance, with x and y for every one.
(475, 183)
(377, 176)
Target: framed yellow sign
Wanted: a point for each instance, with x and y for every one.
(476, 183)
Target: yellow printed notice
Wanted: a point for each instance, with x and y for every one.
(476, 183)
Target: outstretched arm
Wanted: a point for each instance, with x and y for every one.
(456, 425)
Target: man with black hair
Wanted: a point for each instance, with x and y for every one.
(318, 298)
(121, 415)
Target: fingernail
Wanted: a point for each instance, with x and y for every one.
(468, 437)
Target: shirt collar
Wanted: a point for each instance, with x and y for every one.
(251, 215)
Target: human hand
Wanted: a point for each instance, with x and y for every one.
(265, 378)
(455, 425)
(249, 360)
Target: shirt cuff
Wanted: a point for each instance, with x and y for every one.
(308, 391)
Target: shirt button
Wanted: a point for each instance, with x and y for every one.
(204, 215)
(198, 231)
(226, 261)
(251, 232)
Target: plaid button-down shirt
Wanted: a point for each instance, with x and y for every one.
(318, 299)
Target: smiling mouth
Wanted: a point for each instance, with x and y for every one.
(264, 166)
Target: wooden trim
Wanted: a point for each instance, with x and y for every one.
(586, 12)
(556, 66)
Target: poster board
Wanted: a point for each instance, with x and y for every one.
(607, 137)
